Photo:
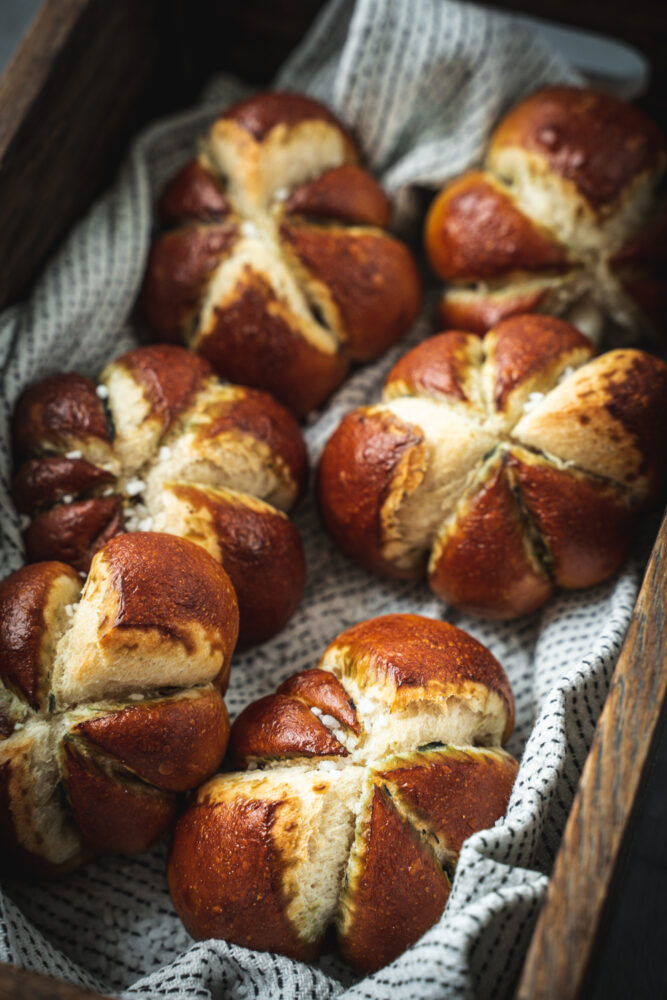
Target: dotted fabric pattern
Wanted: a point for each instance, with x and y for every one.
(421, 84)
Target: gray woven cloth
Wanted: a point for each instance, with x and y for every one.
(420, 82)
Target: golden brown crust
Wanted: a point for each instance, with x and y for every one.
(113, 815)
(321, 689)
(24, 631)
(525, 346)
(245, 858)
(453, 792)
(56, 410)
(260, 113)
(43, 481)
(474, 231)
(173, 743)
(194, 193)
(253, 344)
(191, 589)
(354, 474)
(586, 524)
(412, 651)
(280, 726)
(480, 311)
(396, 893)
(169, 377)
(482, 562)
(73, 533)
(438, 367)
(591, 138)
(348, 193)
(261, 551)
(371, 278)
(179, 267)
(256, 413)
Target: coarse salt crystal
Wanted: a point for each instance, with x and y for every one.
(364, 704)
(18, 725)
(329, 721)
(327, 765)
(73, 454)
(108, 491)
(102, 392)
(165, 451)
(315, 710)
(533, 399)
(249, 229)
(136, 696)
(281, 194)
(135, 486)
(68, 498)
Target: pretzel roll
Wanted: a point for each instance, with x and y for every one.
(279, 272)
(510, 465)
(569, 184)
(184, 454)
(110, 696)
(355, 802)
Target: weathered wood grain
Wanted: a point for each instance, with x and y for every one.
(563, 943)
(77, 86)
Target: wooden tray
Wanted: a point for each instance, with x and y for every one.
(86, 77)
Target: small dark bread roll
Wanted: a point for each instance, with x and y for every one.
(162, 445)
(279, 270)
(110, 698)
(361, 779)
(564, 219)
(502, 466)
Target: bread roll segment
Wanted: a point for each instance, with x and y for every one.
(354, 804)
(110, 697)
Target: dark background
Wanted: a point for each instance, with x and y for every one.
(631, 956)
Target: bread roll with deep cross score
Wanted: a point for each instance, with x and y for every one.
(161, 444)
(504, 466)
(359, 782)
(277, 267)
(562, 219)
(110, 698)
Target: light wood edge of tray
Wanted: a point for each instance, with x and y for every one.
(563, 943)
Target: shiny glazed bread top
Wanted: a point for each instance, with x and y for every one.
(161, 444)
(362, 777)
(110, 697)
(564, 219)
(505, 466)
(277, 267)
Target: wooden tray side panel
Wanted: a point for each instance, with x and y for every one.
(569, 923)
(78, 85)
